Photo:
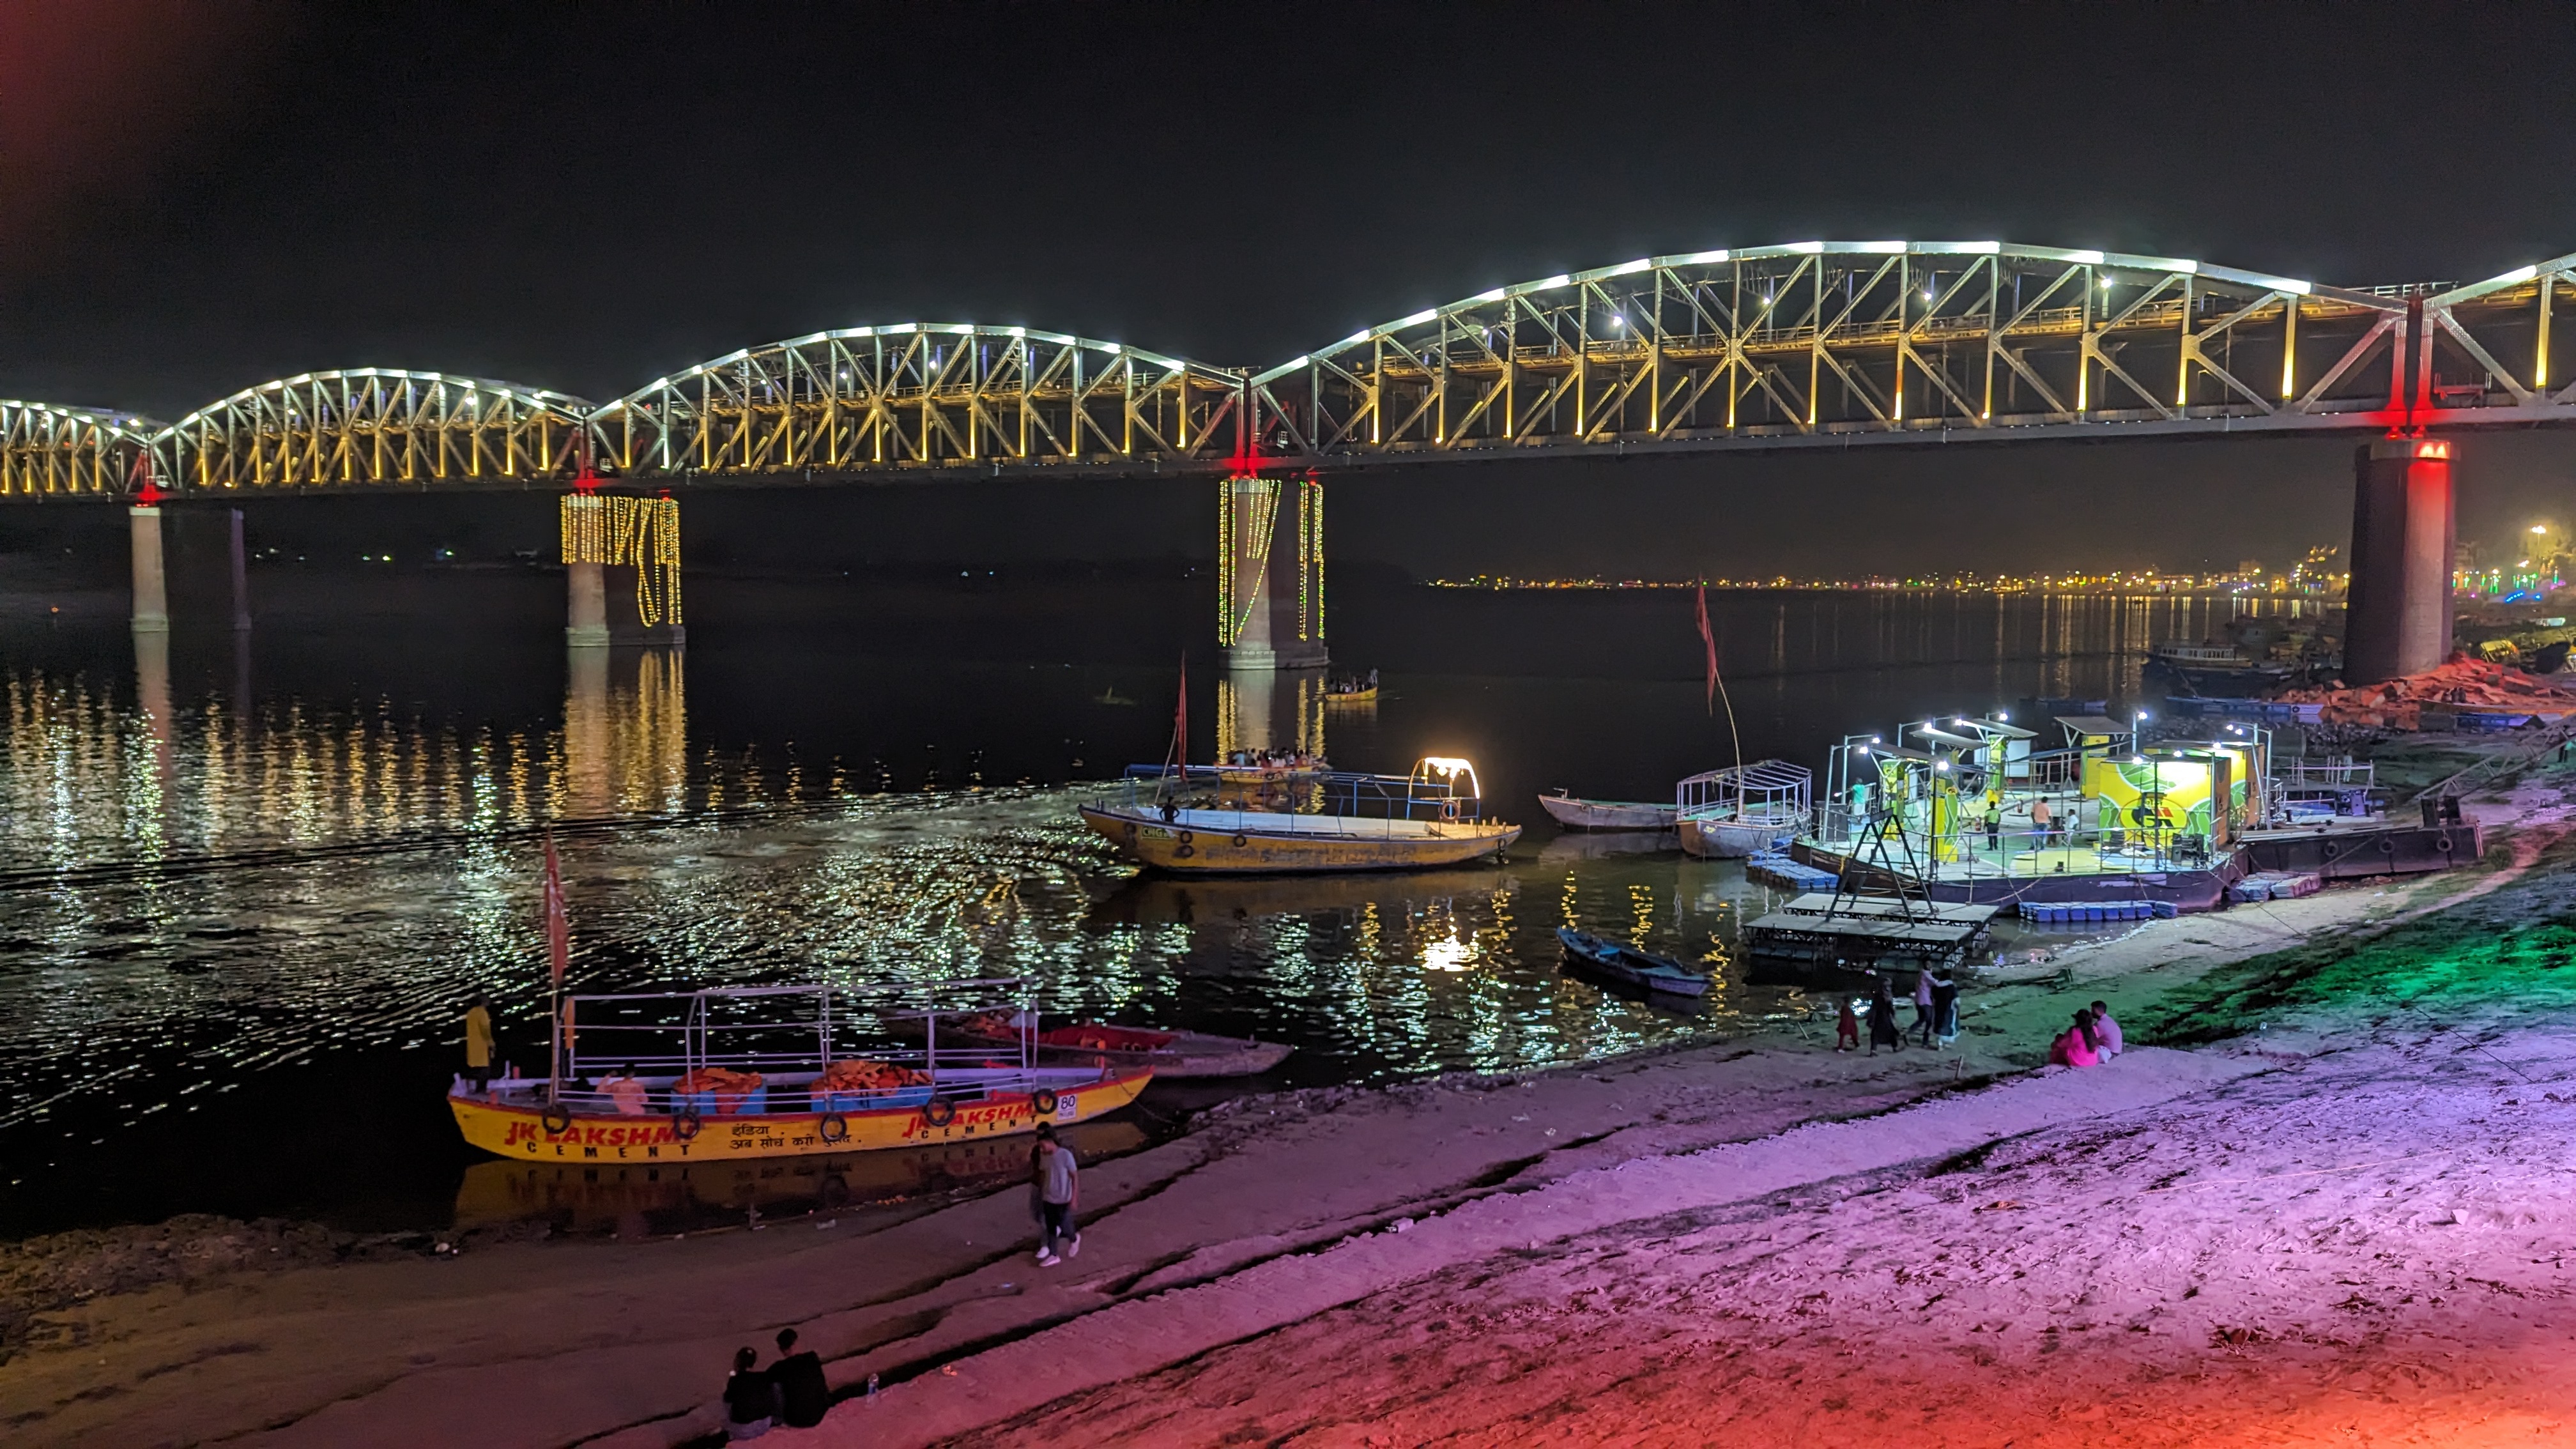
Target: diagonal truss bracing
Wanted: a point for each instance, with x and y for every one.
(371, 426)
(922, 395)
(1842, 341)
(49, 450)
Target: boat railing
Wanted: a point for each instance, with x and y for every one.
(1343, 793)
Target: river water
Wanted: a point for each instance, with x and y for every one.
(246, 886)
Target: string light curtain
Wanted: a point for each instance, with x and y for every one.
(1310, 557)
(1259, 500)
(643, 533)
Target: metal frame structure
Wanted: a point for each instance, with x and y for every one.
(1817, 343)
(921, 395)
(1843, 342)
(47, 450)
(372, 425)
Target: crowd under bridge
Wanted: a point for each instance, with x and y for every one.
(1806, 344)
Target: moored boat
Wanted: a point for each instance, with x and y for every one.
(1579, 814)
(1173, 1054)
(1172, 818)
(1630, 965)
(743, 1072)
(1734, 812)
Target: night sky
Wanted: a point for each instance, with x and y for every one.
(583, 196)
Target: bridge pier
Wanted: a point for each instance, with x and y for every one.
(151, 586)
(586, 611)
(1249, 601)
(2397, 615)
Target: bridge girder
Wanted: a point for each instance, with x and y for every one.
(918, 396)
(372, 426)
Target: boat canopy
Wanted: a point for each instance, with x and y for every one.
(786, 1029)
(1772, 792)
(1440, 788)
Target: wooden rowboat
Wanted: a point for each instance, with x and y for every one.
(1629, 965)
(1580, 814)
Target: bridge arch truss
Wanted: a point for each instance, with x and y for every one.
(1842, 342)
(47, 449)
(372, 426)
(923, 396)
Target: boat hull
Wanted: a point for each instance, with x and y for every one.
(1577, 814)
(1725, 839)
(1240, 843)
(516, 1128)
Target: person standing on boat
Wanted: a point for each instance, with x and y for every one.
(2040, 821)
(1059, 1186)
(1994, 825)
(478, 1043)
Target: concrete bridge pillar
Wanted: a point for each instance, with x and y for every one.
(586, 614)
(1247, 519)
(151, 589)
(2397, 614)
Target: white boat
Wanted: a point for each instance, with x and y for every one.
(1575, 814)
(1732, 813)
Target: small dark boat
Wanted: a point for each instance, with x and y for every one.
(1636, 968)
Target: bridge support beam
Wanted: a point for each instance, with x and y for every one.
(586, 613)
(2397, 617)
(151, 587)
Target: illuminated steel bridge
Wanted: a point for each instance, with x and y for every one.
(1808, 343)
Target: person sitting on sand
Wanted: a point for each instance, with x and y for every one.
(2074, 1046)
(803, 1394)
(1847, 1029)
(2107, 1032)
(625, 1091)
(1882, 1021)
(747, 1398)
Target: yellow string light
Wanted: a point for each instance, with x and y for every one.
(603, 528)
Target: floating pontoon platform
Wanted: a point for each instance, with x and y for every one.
(1861, 940)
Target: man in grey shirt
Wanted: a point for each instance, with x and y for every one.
(1058, 1183)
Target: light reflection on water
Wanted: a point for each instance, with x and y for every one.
(236, 928)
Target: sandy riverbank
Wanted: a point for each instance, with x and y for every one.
(1284, 1243)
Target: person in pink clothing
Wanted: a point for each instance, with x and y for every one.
(2107, 1032)
(2075, 1046)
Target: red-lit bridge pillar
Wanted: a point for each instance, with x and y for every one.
(151, 592)
(2397, 617)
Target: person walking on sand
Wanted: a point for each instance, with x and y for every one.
(478, 1043)
(1945, 1008)
(1059, 1187)
(747, 1398)
(803, 1396)
(2107, 1032)
(1847, 1029)
(1923, 1004)
(1882, 1021)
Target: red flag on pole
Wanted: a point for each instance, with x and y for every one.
(558, 926)
(1708, 638)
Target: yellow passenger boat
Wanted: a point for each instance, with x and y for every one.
(1173, 820)
(773, 1071)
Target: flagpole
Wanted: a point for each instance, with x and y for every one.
(558, 954)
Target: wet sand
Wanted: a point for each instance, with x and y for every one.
(1279, 1268)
